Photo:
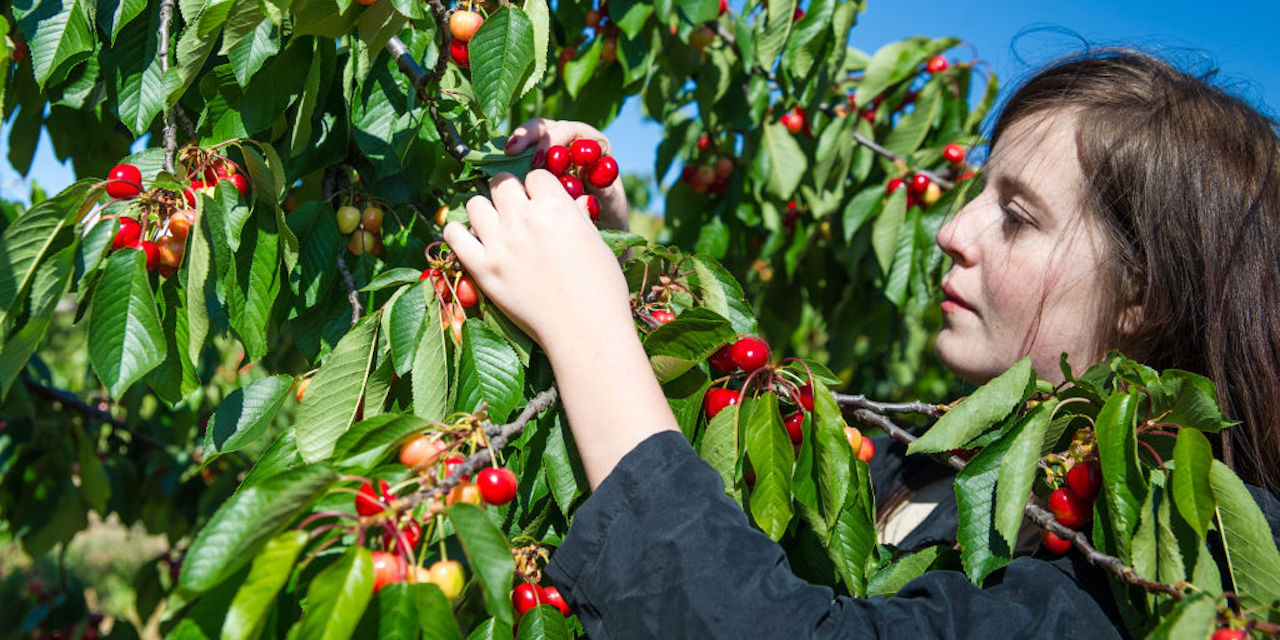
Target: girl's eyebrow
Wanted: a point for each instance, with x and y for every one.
(1012, 184)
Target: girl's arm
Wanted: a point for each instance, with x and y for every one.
(537, 256)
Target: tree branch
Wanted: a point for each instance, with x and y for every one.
(861, 402)
(353, 296)
(421, 80)
(1037, 514)
(73, 402)
(170, 131)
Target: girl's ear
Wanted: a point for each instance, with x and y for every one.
(1130, 320)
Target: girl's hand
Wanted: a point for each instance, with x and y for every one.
(537, 256)
(547, 133)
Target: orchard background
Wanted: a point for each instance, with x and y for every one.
(161, 388)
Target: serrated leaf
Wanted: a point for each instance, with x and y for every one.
(1194, 617)
(1018, 470)
(777, 25)
(1123, 487)
(677, 346)
(396, 277)
(543, 622)
(769, 450)
(489, 556)
(337, 597)
(125, 339)
(982, 547)
(244, 415)
(335, 391)
(887, 228)
(507, 41)
(832, 455)
(721, 293)
(246, 521)
(58, 35)
(430, 363)
(1251, 551)
(853, 536)
(911, 130)
(29, 239)
(540, 19)
(986, 406)
(115, 14)
(1192, 458)
(435, 616)
(787, 162)
(248, 53)
(488, 372)
(403, 324)
(368, 442)
(270, 571)
(719, 447)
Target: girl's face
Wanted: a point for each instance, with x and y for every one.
(1025, 276)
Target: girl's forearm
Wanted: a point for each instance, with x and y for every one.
(609, 393)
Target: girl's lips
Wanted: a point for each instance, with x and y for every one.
(953, 302)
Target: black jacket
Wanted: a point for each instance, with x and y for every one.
(659, 551)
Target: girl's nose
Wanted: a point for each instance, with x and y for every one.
(957, 239)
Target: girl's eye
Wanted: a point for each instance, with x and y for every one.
(1013, 222)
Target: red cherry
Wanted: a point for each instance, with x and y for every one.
(1227, 633)
(422, 450)
(584, 152)
(793, 121)
(1053, 543)
(953, 153)
(797, 14)
(794, 424)
(663, 316)
(369, 502)
(937, 64)
(558, 161)
(428, 273)
(412, 533)
(749, 354)
(1069, 509)
(125, 181)
(603, 172)
(919, 184)
(806, 397)
(387, 568)
(553, 594)
(128, 235)
(717, 399)
(497, 485)
(689, 173)
(722, 359)
(894, 185)
(21, 50)
(153, 254)
(465, 291)
(1085, 479)
(458, 52)
(867, 451)
(724, 6)
(453, 463)
(240, 183)
(593, 207)
(718, 186)
(527, 596)
(704, 141)
(572, 185)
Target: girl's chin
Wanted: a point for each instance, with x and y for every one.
(960, 356)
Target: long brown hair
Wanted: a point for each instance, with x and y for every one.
(1184, 181)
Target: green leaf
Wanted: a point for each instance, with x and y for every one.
(49, 285)
(1251, 551)
(488, 371)
(540, 20)
(769, 450)
(139, 82)
(125, 340)
(435, 616)
(300, 138)
(1122, 481)
(719, 447)
(368, 442)
(246, 521)
(911, 130)
(396, 614)
(887, 580)
(270, 571)
(29, 239)
(853, 536)
(982, 547)
(895, 62)
(677, 346)
(489, 557)
(245, 414)
(403, 324)
(248, 53)
(393, 278)
(335, 391)
(543, 622)
(887, 228)
(1018, 470)
(507, 42)
(200, 287)
(337, 598)
(988, 405)
(831, 451)
(430, 364)
(1194, 617)
(787, 162)
(59, 36)
(113, 15)
(491, 629)
(721, 293)
(192, 51)
(777, 25)
(1192, 458)
(809, 37)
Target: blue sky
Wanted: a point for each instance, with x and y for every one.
(1239, 37)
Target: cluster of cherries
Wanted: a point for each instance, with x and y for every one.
(364, 228)
(165, 246)
(215, 173)
(712, 176)
(1072, 503)
(495, 485)
(528, 595)
(463, 24)
(456, 292)
(582, 161)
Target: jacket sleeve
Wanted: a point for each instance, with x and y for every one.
(659, 551)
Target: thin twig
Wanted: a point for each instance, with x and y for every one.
(170, 132)
(421, 80)
(71, 401)
(498, 436)
(899, 160)
(862, 402)
(353, 296)
(1038, 515)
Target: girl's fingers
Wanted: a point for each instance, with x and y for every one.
(484, 218)
(509, 197)
(542, 184)
(465, 246)
(532, 131)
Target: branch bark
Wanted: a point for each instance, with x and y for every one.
(170, 131)
(421, 80)
(73, 402)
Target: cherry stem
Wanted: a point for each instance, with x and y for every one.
(325, 514)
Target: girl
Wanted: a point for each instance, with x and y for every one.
(1126, 205)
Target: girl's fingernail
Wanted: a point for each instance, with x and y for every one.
(539, 157)
(510, 141)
